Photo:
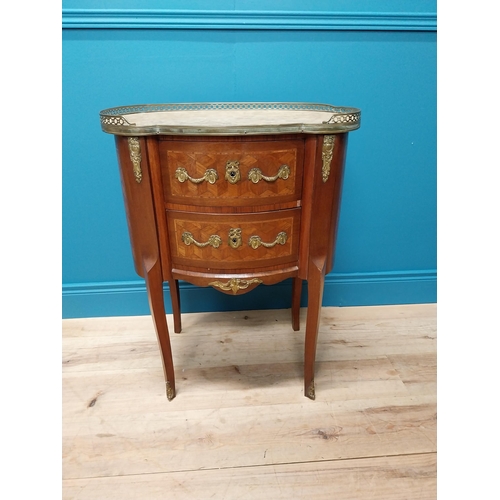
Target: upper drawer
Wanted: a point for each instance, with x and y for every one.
(231, 171)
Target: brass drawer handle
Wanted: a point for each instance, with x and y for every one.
(235, 284)
(256, 241)
(210, 176)
(255, 174)
(214, 240)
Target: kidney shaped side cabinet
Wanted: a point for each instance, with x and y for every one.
(232, 196)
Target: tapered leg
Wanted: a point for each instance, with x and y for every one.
(176, 304)
(315, 285)
(296, 294)
(154, 285)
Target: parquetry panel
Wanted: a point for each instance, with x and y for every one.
(193, 249)
(197, 159)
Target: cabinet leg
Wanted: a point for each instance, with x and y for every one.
(175, 297)
(154, 285)
(296, 294)
(315, 285)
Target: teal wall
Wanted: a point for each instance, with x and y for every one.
(344, 53)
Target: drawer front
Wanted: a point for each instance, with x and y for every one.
(215, 241)
(231, 172)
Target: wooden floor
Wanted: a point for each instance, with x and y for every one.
(240, 426)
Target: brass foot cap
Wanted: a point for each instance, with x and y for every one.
(310, 392)
(170, 392)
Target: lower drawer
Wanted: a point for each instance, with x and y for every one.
(216, 241)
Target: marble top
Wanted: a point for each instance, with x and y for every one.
(229, 119)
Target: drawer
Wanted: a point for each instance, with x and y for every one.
(234, 172)
(216, 241)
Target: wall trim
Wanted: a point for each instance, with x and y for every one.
(129, 298)
(247, 20)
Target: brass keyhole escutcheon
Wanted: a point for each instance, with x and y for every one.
(235, 240)
(233, 171)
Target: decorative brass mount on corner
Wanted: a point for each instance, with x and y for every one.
(328, 144)
(255, 174)
(235, 284)
(134, 148)
(210, 176)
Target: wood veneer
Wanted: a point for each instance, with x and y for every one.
(187, 225)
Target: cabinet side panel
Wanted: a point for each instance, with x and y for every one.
(138, 202)
(307, 203)
(337, 174)
(326, 199)
(159, 205)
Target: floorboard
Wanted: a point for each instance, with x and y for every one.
(240, 426)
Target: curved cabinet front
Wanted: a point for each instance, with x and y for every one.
(219, 241)
(238, 172)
